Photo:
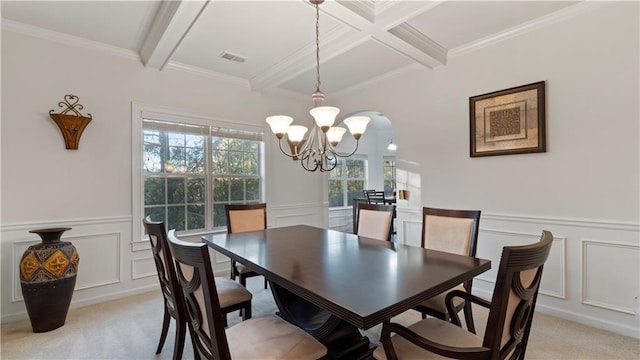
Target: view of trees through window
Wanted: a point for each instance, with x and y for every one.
(184, 189)
(389, 176)
(347, 181)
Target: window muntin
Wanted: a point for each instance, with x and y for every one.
(347, 181)
(191, 171)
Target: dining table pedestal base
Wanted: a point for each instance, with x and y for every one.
(342, 339)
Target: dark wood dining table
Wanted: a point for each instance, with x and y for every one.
(332, 283)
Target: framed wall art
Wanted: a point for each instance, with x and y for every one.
(510, 121)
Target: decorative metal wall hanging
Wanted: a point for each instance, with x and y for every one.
(71, 125)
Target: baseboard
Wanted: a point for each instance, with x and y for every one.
(19, 316)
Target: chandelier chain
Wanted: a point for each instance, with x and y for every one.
(317, 47)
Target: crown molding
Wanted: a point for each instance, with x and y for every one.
(66, 39)
(560, 15)
(173, 65)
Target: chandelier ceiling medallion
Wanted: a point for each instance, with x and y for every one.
(318, 151)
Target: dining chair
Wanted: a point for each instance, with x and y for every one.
(173, 303)
(268, 337)
(232, 295)
(454, 231)
(241, 218)
(375, 197)
(508, 324)
(375, 221)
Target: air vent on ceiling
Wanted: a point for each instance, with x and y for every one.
(233, 57)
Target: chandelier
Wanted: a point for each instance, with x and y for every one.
(318, 151)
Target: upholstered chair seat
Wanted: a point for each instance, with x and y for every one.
(247, 340)
(231, 293)
(437, 302)
(441, 332)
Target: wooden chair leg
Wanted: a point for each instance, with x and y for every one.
(224, 320)
(181, 330)
(165, 328)
(246, 312)
(243, 280)
(265, 283)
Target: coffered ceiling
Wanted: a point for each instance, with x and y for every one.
(360, 40)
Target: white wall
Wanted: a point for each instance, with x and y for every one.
(90, 189)
(585, 188)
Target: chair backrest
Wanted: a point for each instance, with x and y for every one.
(375, 197)
(514, 298)
(164, 266)
(375, 221)
(198, 286)
(246, 217)
(365, 192)
(454, 231)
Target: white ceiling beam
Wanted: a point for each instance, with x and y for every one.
(362, 23)
(171, 24)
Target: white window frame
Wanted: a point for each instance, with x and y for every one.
(140, 112)
(344, 179)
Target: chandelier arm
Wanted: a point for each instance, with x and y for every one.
(292, 155)
(344, 155)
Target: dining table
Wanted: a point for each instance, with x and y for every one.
(332, 283)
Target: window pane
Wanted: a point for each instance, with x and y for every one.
(195, 160)
(337, 172)
(152, 158)
(355, 168)
(177, 157)
(154, 191)
(220, 190)
(176, 139)
(175, 191)
(253, 189)
(196, 141)
(155, 213)
(220, 161)
(219, 215)
(235, 144)
(175, 218)
(195, 190)
(235, 162)
(336, 194)
(237, 189)
(195, 217)
(354, 190)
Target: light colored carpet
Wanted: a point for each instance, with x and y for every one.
(129, 329)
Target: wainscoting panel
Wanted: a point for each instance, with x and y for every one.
(554, 275)
(609, 284)
(297, 214)
(143, 267)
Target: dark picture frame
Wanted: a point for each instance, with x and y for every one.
(510, 121)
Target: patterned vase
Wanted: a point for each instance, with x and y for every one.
(48, 276)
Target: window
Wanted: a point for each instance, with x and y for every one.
(389, 175)
(347, 181)
(190, 171)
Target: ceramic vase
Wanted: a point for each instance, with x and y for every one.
(48, 273)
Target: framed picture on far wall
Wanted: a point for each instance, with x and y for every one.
(508, 121)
